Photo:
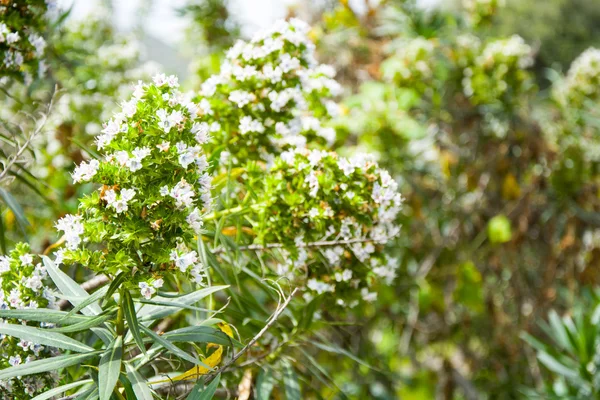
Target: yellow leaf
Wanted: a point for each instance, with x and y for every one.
(212, 361)
(9, 219)
(232, 230)
(510, 188)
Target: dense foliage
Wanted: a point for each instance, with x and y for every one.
(421, 224)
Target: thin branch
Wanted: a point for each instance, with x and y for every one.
(40, 125)
(188, 387)
(251, 343)
(321, 243)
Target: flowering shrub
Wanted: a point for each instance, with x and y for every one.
(497, 75)
(311, 197)
(270, 94)
(23, 285)
(155, 185)
(22, 25)
(412, 63)
(146, 227)
(481, 11)
(582, 81)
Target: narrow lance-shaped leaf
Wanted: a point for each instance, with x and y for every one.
(84, 325)
(44, 336)
(207, 394)
(156, 312)
(43, 315)
(61, 389)
(109, 369)
(290, 382)
(171, 347)
(69, 287)
(138, 384)
(132, 322)
(45, 365)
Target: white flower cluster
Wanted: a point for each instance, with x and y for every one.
(412, 61)
(187, 261)
(16, 53)
(497, 69)
(22, 286)
(482, 10)
(155, 184)
(512, 50)
(73, 229)
(270, 90)
(582, 80)
(348, 201)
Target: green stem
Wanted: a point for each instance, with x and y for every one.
(120, 317)
(231, 211)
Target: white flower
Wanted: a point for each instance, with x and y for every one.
(130, 107)
(146, 290)
(158, 283)
(346, 166)
(73, 229)
(164, 122)
(127, 194)
(368, 296)
(184, 260)
(195, 220)
(183, 194)
(26, 259)
(200, 130)
(313, 183)
(85, 171)
(4, 265)
(343, 276)
(247, 124)
(159, 79)
(39, 43)
(110, 196)
(12, 37)
(15, 360)
(241, 98)
(319, 286)
(164, 146)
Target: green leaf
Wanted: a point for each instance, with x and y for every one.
(335, 349)
(45, 365)
(44, 336)
(207, 394)
(158, 312)
(171, 304)
(69, 287)
(114, 285)
(138, 384)
(172, 348)
(109, 369)
(84, 325)
(43, 315)
(15, 207)
(93, 298)
(129, 393)
(198, 334)
(265, 382)
(61, 389)
(568, 371)
(290, 382)
(499, 229)
(132, 322)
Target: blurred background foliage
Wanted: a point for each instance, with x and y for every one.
(487, 114)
